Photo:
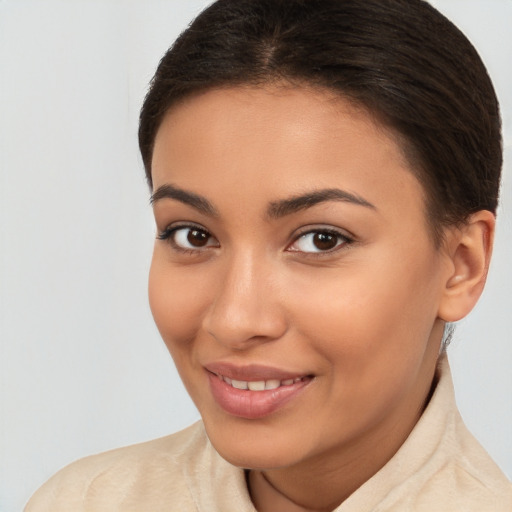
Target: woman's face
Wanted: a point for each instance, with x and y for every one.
(293, 258)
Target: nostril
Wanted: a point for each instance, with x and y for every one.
(238, 332)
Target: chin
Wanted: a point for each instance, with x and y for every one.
(256, 457)
(252, 446)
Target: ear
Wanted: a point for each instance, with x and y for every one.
(469, 249)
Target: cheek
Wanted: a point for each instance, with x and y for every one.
(372, 330)
(177, 301)
(373, 310)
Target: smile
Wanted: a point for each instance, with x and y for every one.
(258, 395)
(259, 385)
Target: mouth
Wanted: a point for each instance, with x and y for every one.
(260, 385)
(254, 392)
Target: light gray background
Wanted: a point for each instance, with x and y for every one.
(82, 368)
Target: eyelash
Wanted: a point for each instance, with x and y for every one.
(343, 240)
(167, 235)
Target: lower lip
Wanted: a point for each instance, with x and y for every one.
(253, 404)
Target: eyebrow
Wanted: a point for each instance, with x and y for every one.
(278, 209)
(197, 202)
(275, 210)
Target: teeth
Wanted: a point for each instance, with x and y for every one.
(259, 385)
(272, 384)
(240, 384)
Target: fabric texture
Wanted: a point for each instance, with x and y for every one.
(440, 467)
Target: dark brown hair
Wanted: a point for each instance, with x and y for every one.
(400, 59)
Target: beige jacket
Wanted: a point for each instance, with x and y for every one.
(439, 468)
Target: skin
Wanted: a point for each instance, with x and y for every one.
(365, 318)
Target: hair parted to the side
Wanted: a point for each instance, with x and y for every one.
(400, 59)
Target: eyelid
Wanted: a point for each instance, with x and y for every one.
(174, 226)
(167, 236)
(348, 239)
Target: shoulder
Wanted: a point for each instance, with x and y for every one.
(461, 486)
(470, 478)
(440, 466)
(150, 473)
(458, 474)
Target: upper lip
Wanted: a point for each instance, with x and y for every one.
(251, 372)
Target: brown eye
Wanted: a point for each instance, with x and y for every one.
(190, 238)
(325, 241)
(319, 241)
(197, 238)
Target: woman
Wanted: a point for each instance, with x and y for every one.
(324, 178)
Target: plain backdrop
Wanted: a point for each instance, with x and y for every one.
(82, 367)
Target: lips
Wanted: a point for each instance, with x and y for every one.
(253, 391)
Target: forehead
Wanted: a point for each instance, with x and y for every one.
(281, 140)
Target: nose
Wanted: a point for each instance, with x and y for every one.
(246, 308)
